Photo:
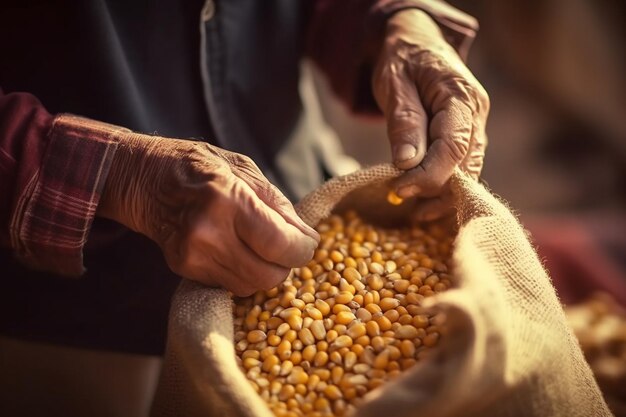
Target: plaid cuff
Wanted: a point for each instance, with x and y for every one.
(54, 213)
(458, 28)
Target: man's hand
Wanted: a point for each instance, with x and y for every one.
(436, 110)
(213, 213)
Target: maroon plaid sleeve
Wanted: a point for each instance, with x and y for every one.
(345, 35)
(53, 211)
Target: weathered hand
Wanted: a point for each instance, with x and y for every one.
(435, 108)
(217, 219)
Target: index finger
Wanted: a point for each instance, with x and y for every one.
(268, 234)
(450, 131)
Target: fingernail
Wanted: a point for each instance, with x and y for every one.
(408, 191)
(405, 152)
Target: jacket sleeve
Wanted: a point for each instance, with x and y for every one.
(52, 171)
(344, 37)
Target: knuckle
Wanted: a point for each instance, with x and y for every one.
(456, 148)
(243, 161)
(405, 112)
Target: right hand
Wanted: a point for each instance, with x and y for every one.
(217, 219)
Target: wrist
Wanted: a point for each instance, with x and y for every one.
(414, 21)
(130, 175)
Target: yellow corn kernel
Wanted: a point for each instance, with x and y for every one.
(375, 282)
(343, 297)
(251, 354)
(308, 353)
(335, 357)
(336, 256)
(313, 313)
(407, 348)
(421, 321)
(372, 328)
(249, 363)
(333, 392)
(320, 359)
(322, 306)
(356, 330)
(337, 308)
(343, 341)
(388, 303)
(357, 348)
(394, 199)
(331, 336)
(383, 322)
(392, 315)
(405, 319)
(349, 360)
(378, 343)
(345, 317)
(306, 337)
(362, 340)
(286, 392)
(298, 376)
(431, 339)
(295, 322)
(270, 362)
(321, 404)
(256, 336)
(406, 332)
(373, 308)
(318, 330)
(382, 359)
(296, 357)
(376, 267)
(336, 374)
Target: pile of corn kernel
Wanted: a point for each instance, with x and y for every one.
(599, 323)
(347, 322)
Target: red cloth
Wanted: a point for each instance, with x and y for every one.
(574, 250)
(52, 170)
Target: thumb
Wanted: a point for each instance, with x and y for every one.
(407, 123)
(271, 195)
(269, 234)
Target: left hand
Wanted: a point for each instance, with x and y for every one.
(435, 108)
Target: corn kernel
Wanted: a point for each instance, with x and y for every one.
(394, 198)
(345, 317)
(346, 322)
(256, 336)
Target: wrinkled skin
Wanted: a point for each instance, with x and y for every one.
(435, 108)
(217, 219)
(220, 222)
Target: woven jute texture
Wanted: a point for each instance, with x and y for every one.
(508, 350)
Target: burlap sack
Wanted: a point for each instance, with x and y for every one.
(509, 351)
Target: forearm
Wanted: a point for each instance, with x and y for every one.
(344, 38)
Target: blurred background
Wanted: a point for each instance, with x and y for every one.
(555, 71)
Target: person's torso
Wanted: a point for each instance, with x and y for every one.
(228, 77)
